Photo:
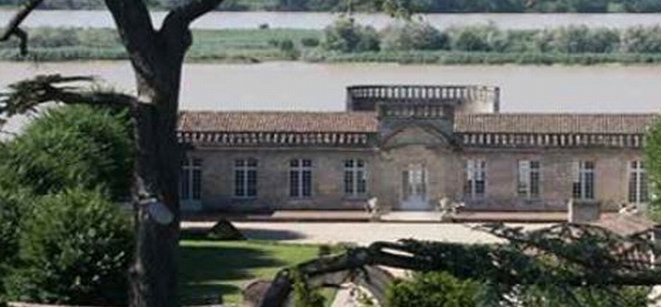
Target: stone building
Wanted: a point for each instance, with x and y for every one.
(409, 147)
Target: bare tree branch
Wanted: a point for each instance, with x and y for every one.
(13, 27)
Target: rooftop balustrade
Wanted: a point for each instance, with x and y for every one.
(365, 97)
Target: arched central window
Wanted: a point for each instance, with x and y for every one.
(300, 178)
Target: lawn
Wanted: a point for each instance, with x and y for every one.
(210, 269)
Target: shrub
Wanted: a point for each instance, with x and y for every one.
(478, 38)
(579, 39)
(432, 290)
(13, 206)
(75, 249)
(414, 36)
(310, 42)
(653, 161)
(641, 6)
(54, 37)
(346, 36)
(225, 231)
(641, 40)
(73, 146)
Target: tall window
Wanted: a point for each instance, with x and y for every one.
(245, 178)
(475, 178)
(528, 179)
(300, 178)
(355, 178)
(583, 187)
(638, 190)
(190, 183)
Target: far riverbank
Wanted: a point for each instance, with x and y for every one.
(488, 45)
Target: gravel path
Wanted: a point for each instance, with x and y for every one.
(358, 233)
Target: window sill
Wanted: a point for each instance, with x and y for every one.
(246, 198)
(355, 198)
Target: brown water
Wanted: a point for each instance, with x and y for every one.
(300, 86)
(227, 20)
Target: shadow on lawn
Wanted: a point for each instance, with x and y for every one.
(204, 268)
(271, 234)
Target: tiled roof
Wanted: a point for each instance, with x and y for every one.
(540, 123)
(294, 122)
(367, 122)
(625, 224)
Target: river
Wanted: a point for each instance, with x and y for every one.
(252, 20)
(321, 87)
(304, 86)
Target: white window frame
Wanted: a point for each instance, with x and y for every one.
(190, 168)
(476, 171)
(580, 177)
(245, 168)
(300, 171)
(638, 173)
(355, 168)
(525, 174)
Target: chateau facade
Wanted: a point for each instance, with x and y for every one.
(409, 147)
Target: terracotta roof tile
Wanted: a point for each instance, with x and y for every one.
(367, 122)
(554, 123)
(625, 224)
(208, 121)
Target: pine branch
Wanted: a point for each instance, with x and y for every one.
(24, 96)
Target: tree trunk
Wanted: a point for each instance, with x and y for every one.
(156, 177)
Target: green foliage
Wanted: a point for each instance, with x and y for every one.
(653, 161)
(413, 43)
(14, 205)
(345, 35)
(558, 296)
(424, 6)
(303, 295)
(310, 42)
(74, 248)
(478, 38)
(72, 146)
(641, 40)
(433, 289)
(640, 6)
(414, 36)
(578, 39)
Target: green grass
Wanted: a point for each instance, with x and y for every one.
(210, 269)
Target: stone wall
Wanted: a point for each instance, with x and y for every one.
(445, 172)
(273, 178)
(556, 177)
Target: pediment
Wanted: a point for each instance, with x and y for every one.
(419, 135)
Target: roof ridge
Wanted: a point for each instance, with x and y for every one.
(558, 114)
(274, 112)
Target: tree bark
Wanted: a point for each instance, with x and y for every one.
(157, 58)
(154, 273)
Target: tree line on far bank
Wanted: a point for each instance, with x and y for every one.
(420, 6)
(348, 36)
(348, 41)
